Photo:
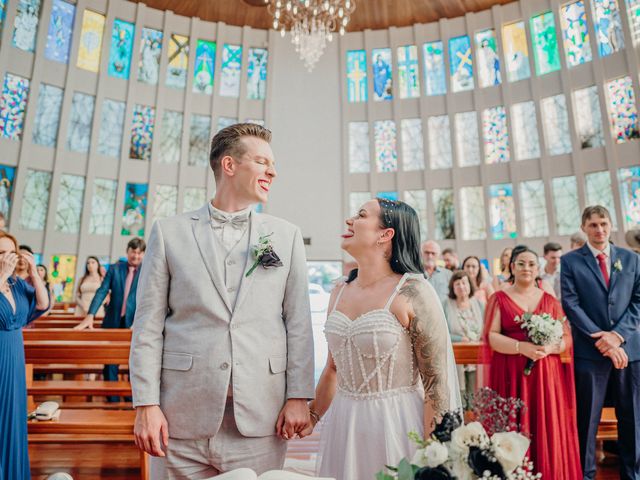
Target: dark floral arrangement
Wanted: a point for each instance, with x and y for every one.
(490, 447)
(264, 255)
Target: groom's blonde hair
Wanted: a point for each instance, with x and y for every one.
(228, 142)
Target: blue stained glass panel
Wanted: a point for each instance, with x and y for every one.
(388, 195)
(606, 17)
(231, 69)
(629, 179)
(121, 47)
(3, 13)
(205, 66)
(502, 211)
(26, 25)
(357, 76)
(257, 74)
(575, 34)
(382, 77)
(13, 102)
(408, 77)
(460, 63)
(633, 13)
(435, 78)
(7, 175)
(135, 209)
(623, 114)
(487, 58)
(142, 132)
(60, 31)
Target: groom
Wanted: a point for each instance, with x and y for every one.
(601, 297)
(222, 349)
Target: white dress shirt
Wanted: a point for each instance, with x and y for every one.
(607, 253)
(227, 232)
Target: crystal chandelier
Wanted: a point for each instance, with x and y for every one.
(311, 24)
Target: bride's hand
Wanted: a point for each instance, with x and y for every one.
(308, 430)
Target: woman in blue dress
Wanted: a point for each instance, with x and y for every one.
(20, 303)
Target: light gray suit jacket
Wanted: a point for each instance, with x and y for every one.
(189, 343)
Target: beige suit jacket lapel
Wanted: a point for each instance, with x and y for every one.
(256, 229)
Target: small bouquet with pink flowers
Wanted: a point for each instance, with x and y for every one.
(542, 329)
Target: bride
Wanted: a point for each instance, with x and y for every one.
(386, 331)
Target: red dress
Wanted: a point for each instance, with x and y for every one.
(548, 392)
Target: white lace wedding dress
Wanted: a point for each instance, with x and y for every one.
(379, 397)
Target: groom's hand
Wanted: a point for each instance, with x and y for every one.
(294, 418)
(607, 341)
(151, 425)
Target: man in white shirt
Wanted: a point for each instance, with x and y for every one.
(551, 271)
(438, 277)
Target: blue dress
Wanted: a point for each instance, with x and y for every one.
(14, 455)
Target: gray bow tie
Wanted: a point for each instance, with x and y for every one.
(236, 221)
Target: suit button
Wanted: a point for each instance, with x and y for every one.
(224, 366)
(235, 326)
(231, 262)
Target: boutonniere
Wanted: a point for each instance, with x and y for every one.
(264, 254)
(617, 266)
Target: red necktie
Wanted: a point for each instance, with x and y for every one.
(127, 289)
(602, 261)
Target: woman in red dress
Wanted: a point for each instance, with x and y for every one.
(549, 391)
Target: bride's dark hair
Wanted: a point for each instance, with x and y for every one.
(405, 244)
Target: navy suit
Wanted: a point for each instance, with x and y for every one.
(114, 282)
(592, 307)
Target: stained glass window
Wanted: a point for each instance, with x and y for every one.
(467, 139)
(90, 41)
(60, 31)
(487, 58)
(384, 135)
(516, 52)
(224, 122)
(629, 179)
(545, 44)
(417, 199)
(150, 51)
(193, 198)
(204, 70)
(103, 206)
(35, 200)
(412, 144)
(623, 115)
(170, 137)
(502, 211)
(111, 128)
(382, 78)
(80, 120)
(142, 132)
(7, 176)
(633, 12)
(565, 204)
(495, 135)
(257, 74)
(357, 76)
(121, 47)
(388, 195)
(135, 209)
(588, 117)
(575, 35)
(3, 13)
(435, 78)
(178, 54)
(231, 68)
(26, 25)
(598, 192)
(359, 147)
(556, 124)
(440, 155)
(472, 213)
(69, 208)
(15, 92)
(408, 76)
(460, 64)
(525, 130)
(356, 200)
(62, 269)
(606, 17)
(257, 121)
(165, 202)
(445, 213)
(199, 140)
(45, 130)
(533, 209)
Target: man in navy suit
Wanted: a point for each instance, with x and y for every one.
(601, 298)
(121, 281)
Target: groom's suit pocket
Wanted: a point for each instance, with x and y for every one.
(177, 361)
(278, 364)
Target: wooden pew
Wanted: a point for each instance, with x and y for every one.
(61, 322)
(82, 425)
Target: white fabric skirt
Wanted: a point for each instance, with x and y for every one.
(360, 436)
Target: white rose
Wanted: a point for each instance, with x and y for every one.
(419, 458)
(510, 449)
(435, 454)
(471, 434)
(461, 470)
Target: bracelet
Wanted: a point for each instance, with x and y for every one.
(314, 416)
(517, 347)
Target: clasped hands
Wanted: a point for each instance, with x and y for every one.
(294, 420)
(608, 344)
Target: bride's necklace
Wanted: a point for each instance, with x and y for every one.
(363, 286)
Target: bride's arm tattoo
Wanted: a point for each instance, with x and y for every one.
(429, 338)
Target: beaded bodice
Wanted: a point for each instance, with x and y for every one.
(373, 353)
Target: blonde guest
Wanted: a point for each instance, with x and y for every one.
(87, 287)
(483, 288)
(501, 280)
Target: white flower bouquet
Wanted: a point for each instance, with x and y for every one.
(542, 329)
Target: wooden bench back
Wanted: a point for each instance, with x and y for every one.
(66, 334)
